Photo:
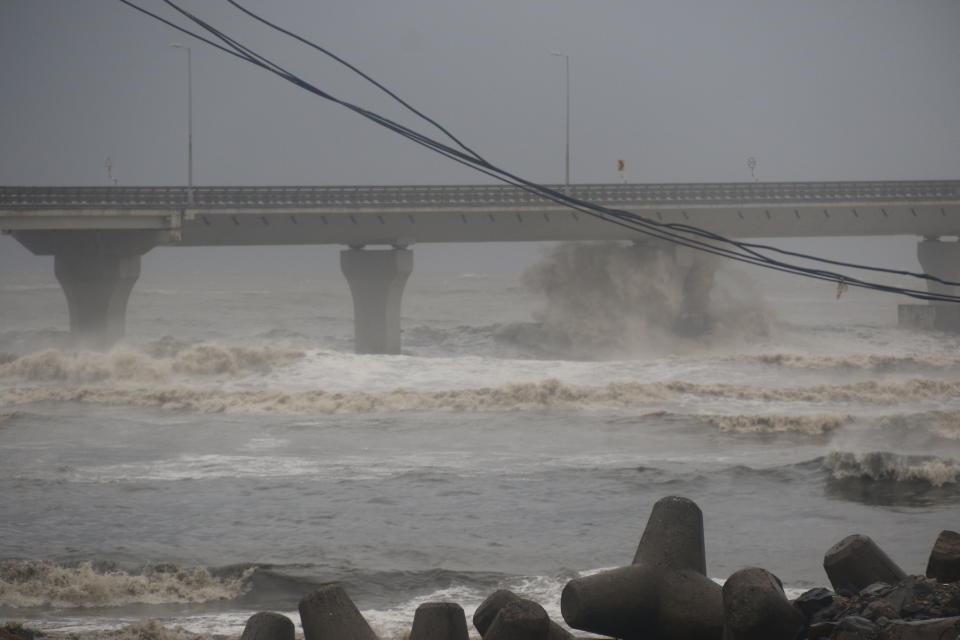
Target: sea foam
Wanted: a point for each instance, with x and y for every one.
(886, 466)
(204, 361)
(41, 583)
(544, 395)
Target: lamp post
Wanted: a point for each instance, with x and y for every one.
(176, 45)
(566, 84)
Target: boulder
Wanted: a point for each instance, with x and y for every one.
(936, 629)
(814, 600)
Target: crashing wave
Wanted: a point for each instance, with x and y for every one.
(886, 466)
(41, 583)
(548, 394)
(122, 365)
(869, 362)
(810, 425)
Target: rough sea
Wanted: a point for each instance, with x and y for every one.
(233, 453)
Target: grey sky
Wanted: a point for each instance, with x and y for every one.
(680, 90)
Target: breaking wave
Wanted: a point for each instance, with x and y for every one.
(41, 583)
(869, 362)
(145, 630)
(10, 415)
(810, 425)
(121, 365)
(548, 394)
(886, 466)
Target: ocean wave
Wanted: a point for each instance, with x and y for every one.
(142, 630)
(41, 583)
(887, 466)
(10, 415)
(946, 424)
(548, 394)
(818, 424)
(867, 362)
(122, 365)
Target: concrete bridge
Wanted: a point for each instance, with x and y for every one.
(98, 235)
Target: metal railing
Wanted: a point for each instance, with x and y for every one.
(676, 194)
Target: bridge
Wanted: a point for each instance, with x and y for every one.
(97, 235)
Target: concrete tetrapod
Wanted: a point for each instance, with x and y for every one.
(756, 608)
(944, 562)
(268, 626)
(439, 621)
(520, 620)
(485, 614)
(329, 614)
(664, 594)
(857, 562)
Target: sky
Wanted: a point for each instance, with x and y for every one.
(681, 90)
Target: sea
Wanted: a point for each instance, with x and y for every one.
(233, 453)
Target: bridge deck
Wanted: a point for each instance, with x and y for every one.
(402, 215)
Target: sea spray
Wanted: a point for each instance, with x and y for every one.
(607, 299)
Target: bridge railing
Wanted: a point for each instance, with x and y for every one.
(692, 194)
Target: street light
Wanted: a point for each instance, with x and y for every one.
(177, 45)
(566, 85)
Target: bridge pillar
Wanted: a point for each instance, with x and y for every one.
(941, 259)
(97, 271)
(376, 279)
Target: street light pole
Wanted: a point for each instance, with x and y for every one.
(189, 122)
(566, 84)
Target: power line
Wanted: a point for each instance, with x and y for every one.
(684, 235)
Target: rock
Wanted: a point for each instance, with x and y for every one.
(831, 613)
(484, 615)
(439, 621)
(879, 609)
(812, 601)
(821, 630)
(944, 562)
(520, 620)
(857, 624)
(876, 589)
(665, 593)
(329, 614)
(907, 592)
(937, 629)
(268, 626)
(857, 562)
(755, 608)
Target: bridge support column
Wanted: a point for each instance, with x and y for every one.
(97, 271)
(941, 259)
(376, 279)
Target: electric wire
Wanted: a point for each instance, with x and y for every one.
(672, 232)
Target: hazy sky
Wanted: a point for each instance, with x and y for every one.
(680, 90)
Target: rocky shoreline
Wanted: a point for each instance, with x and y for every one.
(664, 594)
